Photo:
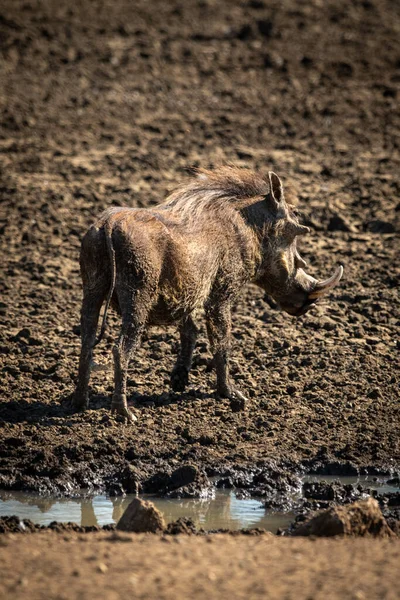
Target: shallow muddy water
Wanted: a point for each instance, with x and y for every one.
(224, 511)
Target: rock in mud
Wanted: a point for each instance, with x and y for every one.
(186, 481)
(131, 479)
(270, 482)
(362, 518)
(141, 516)
(335, 491)
(339, 223)
(14, 524)
(181, 525)
(394, 481)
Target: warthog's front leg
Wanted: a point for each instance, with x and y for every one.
(219, 333)
(180, 374)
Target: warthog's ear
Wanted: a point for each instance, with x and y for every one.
(294, 229)
(302, 229)
(276, 186)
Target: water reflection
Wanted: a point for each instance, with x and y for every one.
(224, 511)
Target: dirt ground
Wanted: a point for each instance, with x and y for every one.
(108, 103)
(117, 566)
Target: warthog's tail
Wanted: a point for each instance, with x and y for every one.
(111, 253)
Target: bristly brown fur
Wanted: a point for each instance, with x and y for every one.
(222, 189)
(237, 182)
(228, 183)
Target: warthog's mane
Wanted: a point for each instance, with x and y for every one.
(225, 189)
(219, 187)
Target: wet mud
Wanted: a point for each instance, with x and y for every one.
(262, 505)
(109, 104)
(323, 495)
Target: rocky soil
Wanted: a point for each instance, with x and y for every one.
(108, 103)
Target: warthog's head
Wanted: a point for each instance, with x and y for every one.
(282, 273)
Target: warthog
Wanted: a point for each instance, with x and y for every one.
(157, 266)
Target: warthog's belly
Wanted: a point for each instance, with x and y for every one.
(167, 311)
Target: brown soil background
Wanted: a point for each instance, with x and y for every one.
(109, 103)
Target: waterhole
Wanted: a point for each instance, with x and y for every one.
(224, 511)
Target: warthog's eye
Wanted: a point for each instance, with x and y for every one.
(294, 211)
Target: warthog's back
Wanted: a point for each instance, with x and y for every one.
(180, 256)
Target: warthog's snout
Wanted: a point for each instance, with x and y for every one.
(313, 290)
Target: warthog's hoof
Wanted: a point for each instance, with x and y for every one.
(179, 378)
(80, 402)
(238, 400)
(210, 365)
(119, 406)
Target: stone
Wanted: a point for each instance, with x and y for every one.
(379, 226)
(131, 478)
(187, 481)
(184, 475)
(363, 518)
(141, 516)
(24, 333)
(182, 525)
(339, 223)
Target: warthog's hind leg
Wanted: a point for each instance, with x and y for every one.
(135, 305)
(180, 374)
(128, 340)
(219, 332)
(91, 306)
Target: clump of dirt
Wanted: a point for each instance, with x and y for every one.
(339, 493)
(329, 492)
(362, 518)
(323, 495)
(274, 484)
(182, 525)
(185, 482)
(14, 524)
(141, 516)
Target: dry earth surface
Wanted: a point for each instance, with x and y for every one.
(108, 103)
(115, 566)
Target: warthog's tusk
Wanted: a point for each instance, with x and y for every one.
(323, 287)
